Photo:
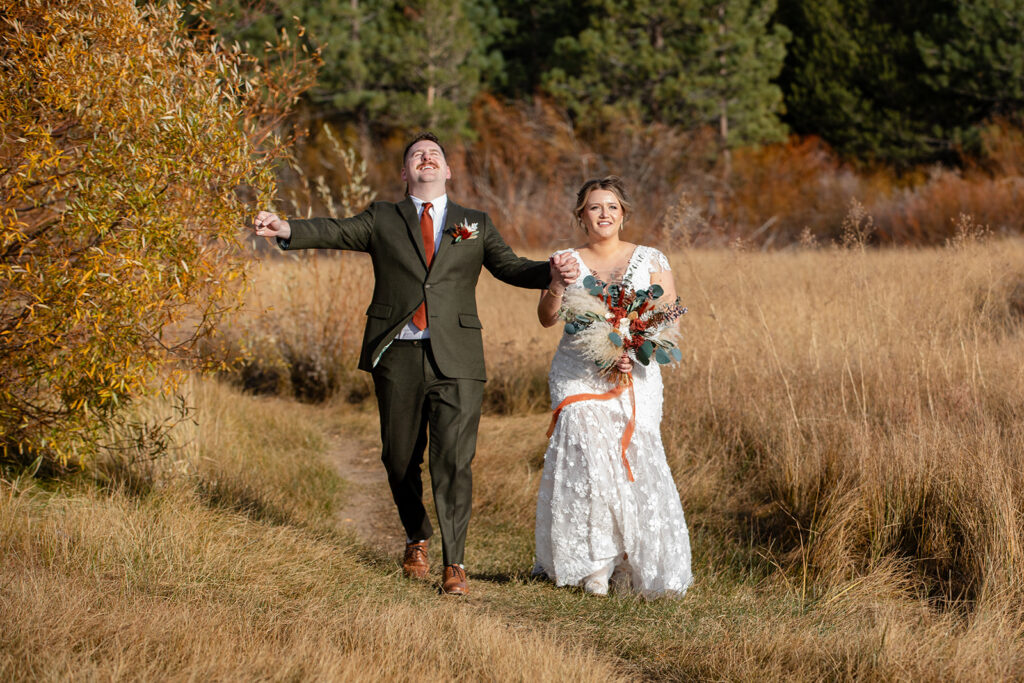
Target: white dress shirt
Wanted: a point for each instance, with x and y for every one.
(438, 212)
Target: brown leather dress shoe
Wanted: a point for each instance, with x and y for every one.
(415, 564)
(454, 580)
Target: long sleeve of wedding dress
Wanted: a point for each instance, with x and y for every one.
(591, 519)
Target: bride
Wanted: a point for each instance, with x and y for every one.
(593, 523)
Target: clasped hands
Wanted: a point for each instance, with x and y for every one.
(564, 271)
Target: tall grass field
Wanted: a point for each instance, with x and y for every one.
(846, 431)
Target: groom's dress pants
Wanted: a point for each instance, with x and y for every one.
(415, 399)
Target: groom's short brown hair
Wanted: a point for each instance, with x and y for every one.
(425, 135)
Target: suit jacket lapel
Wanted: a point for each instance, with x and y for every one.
(412, 221)
(456, 214)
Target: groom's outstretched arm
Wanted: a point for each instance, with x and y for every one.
(503, 263)
(318, 233)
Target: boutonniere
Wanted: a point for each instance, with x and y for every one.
(464, 231)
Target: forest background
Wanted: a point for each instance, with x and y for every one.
(756, 119)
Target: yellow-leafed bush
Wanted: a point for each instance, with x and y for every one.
(125, 141)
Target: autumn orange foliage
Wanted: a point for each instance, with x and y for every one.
(124, 141)
(526, 163)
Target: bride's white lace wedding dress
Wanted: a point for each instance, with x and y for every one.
(591, 520)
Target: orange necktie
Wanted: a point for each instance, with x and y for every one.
(419, 318)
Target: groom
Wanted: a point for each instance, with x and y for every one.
(422, 342)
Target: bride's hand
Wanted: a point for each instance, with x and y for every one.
(625, 364)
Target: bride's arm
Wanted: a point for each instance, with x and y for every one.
(550, 302)
(564, 271)
(664, 278)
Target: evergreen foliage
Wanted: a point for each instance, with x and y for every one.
(741, 55)
(976, 57)
(896, 83)
(529, 43)
(387, 65)
(693, 64)
(902, 83)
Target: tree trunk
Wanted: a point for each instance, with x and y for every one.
(723, 107)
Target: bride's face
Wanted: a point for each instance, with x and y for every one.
(602, 215)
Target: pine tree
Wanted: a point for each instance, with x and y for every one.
(902, 83)
(976, 56)
(740, 57)
(387, 65)
(432, 59)
(528, 42)
(688, 64)
(345, 31)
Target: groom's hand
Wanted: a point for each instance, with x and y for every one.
(268, 224)
(564, 269)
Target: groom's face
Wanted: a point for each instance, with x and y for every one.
(425, 163)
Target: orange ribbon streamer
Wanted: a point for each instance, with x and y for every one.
(627, 435)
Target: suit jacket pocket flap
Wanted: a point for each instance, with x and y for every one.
(378, 310)
(470, 320)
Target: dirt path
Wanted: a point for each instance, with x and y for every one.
(368, 508)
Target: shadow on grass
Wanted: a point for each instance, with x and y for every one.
(374, 558)
(501, 578)
(244, 500)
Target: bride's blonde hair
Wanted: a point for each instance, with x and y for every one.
(613, 184)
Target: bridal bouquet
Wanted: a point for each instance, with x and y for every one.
(608, 319)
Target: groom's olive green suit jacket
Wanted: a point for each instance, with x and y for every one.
(390, 233)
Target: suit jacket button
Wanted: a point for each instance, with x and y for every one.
(426, 286)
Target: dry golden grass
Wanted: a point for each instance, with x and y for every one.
(300, 330)
(845, 432)
(871, 403)
(839, 407)
(846, 436)
(247, 584)
(746, 618)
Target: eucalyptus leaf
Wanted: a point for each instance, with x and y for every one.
(676, 354)
(643, 354)
(656, 291)
(571, 328)
(589, 282)
(615, 338)
(661, 355)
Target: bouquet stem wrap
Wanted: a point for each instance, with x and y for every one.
(627, 435)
